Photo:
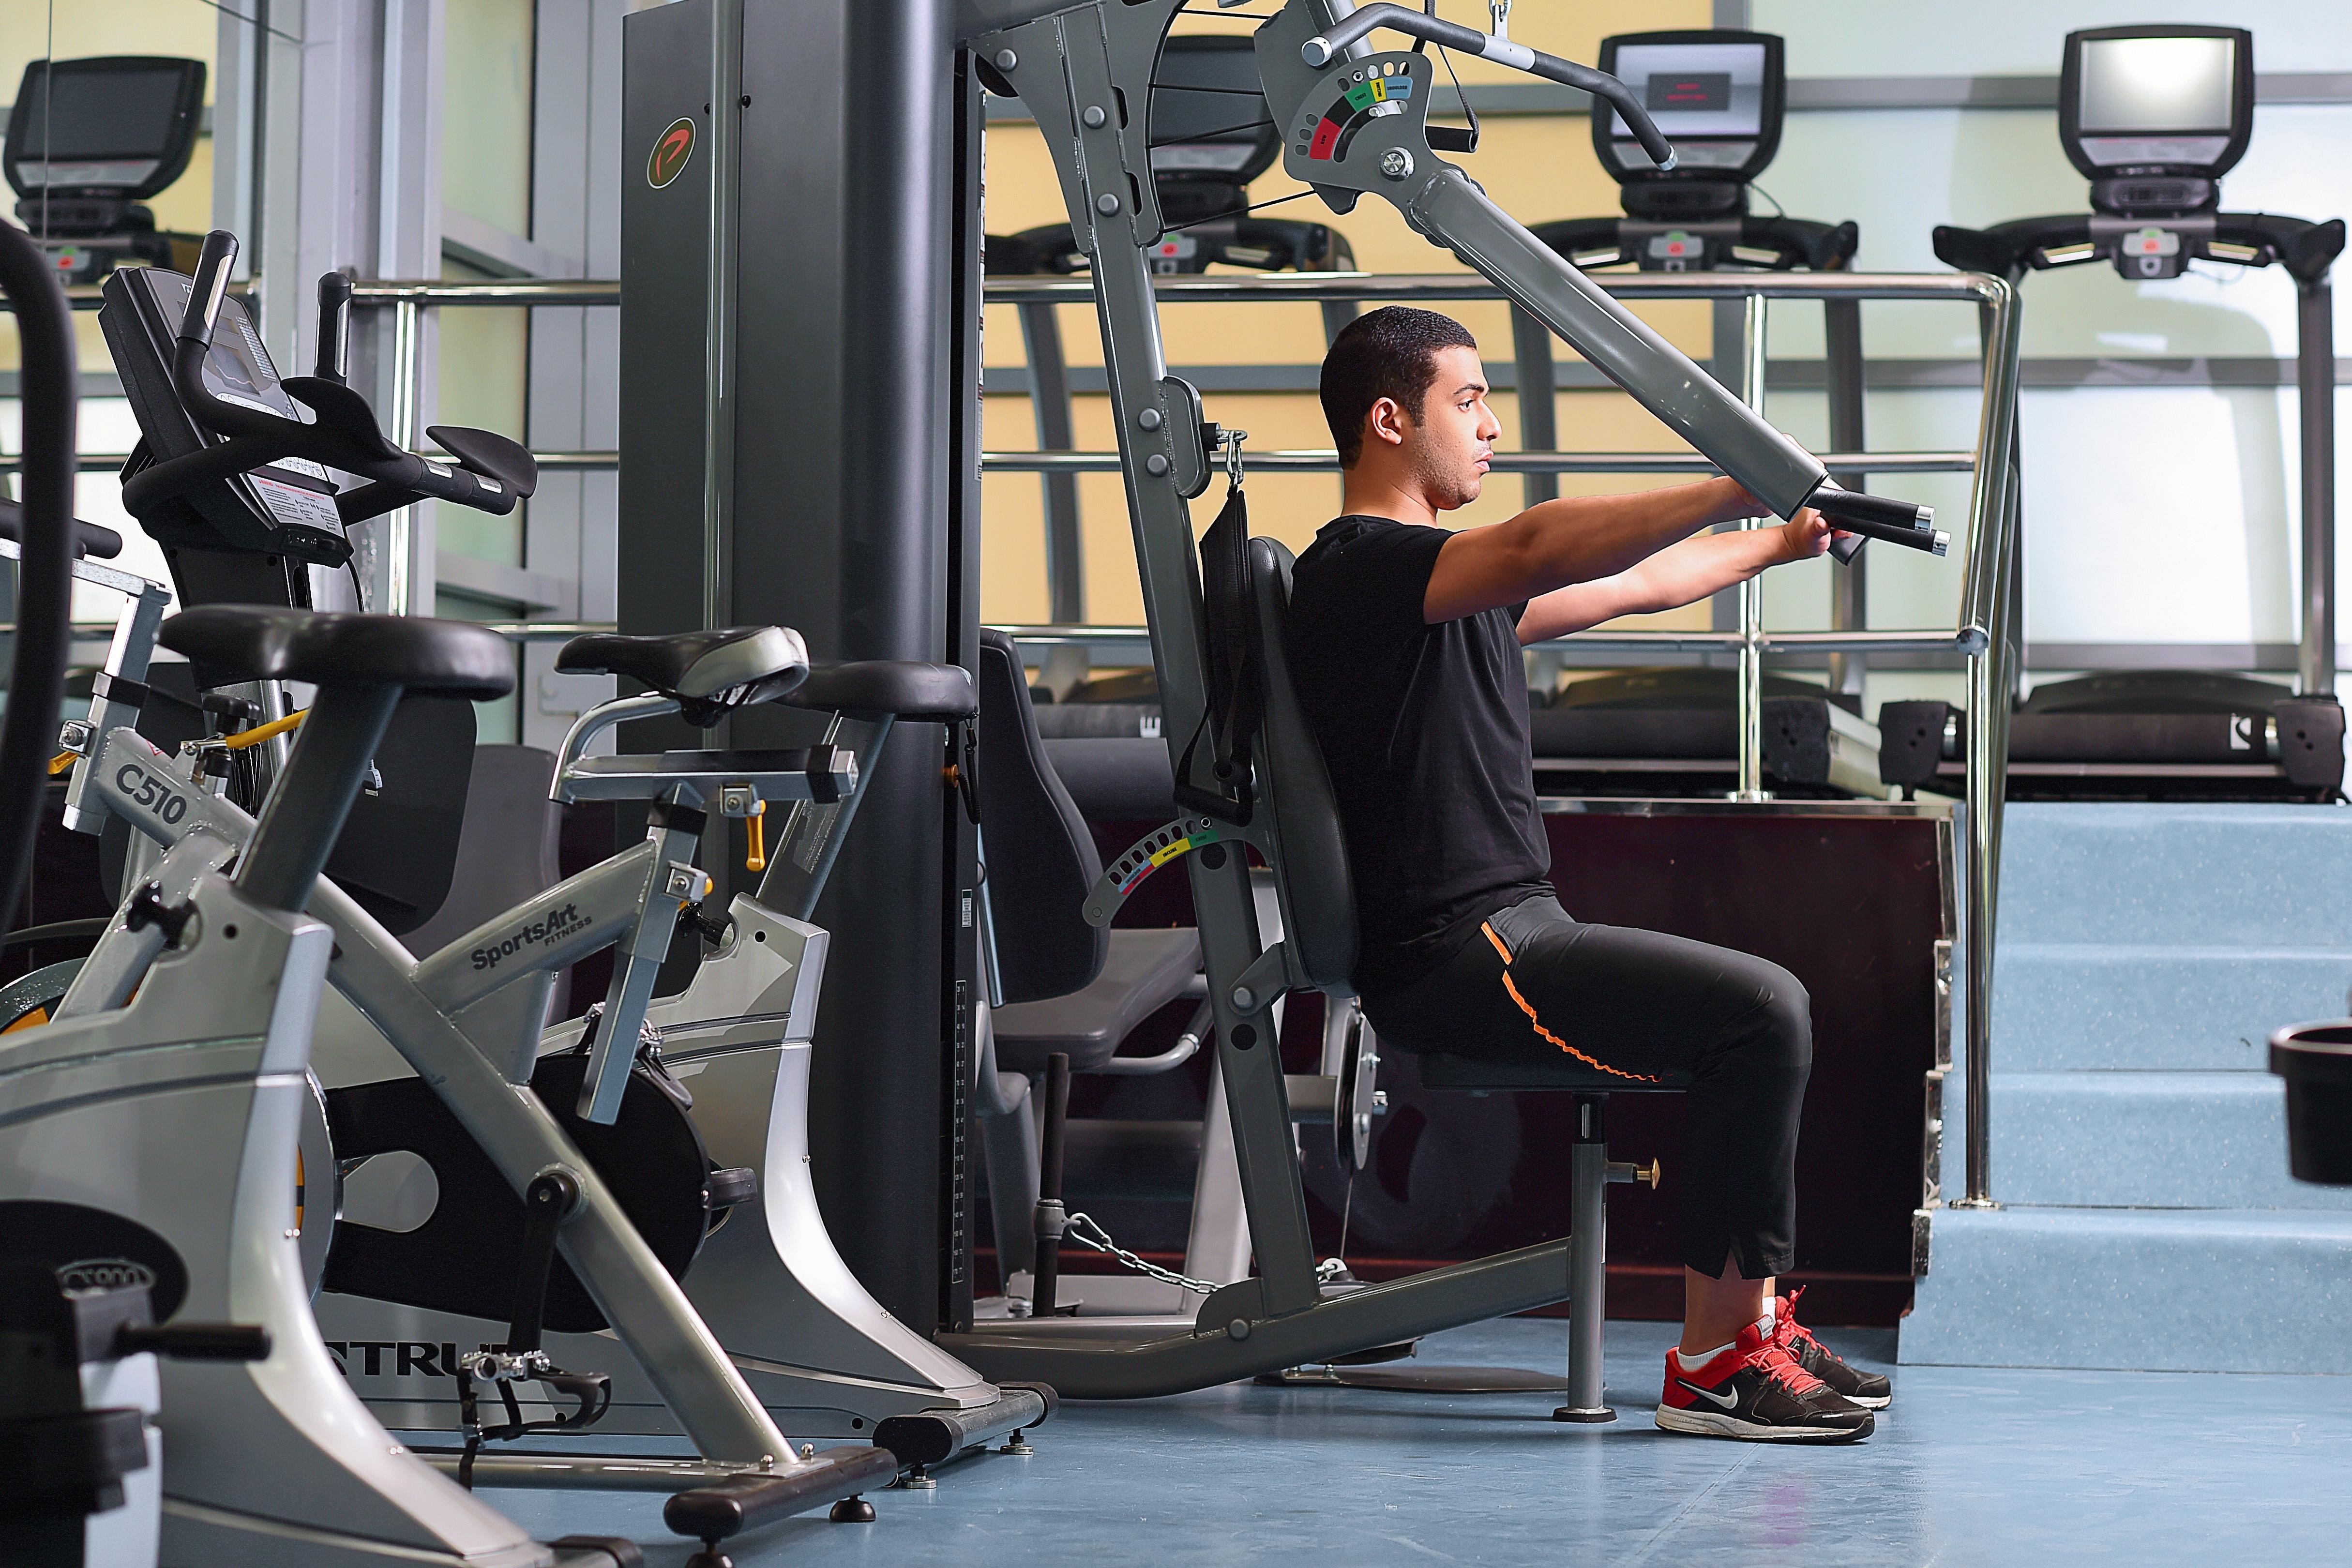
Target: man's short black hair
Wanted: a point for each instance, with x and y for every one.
(1387, 353)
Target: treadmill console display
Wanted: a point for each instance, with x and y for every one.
(89, 141)
(2158, 103)
(1716, 95)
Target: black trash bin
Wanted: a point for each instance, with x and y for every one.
(2315, 1059)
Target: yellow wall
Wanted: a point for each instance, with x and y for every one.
(1536, 167)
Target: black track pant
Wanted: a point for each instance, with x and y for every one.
(1537, 986)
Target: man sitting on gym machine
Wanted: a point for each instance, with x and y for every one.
(1405, 645)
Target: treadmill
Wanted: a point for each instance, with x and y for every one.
(2153, 117)
(1720, 94)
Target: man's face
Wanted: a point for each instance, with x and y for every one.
(1450, 445)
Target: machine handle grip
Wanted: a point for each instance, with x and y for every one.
(1877, 517)
(213, 264)
(1327, 45)
(334, 324)
(1853, 507)
(1934, 541)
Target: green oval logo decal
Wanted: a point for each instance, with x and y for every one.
(670, 153)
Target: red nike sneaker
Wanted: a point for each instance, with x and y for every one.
(1867, 1389)
(1755, 1391)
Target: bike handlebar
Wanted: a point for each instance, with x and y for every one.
(334, 338)
(1327, 45)
(210, 286)
(345, 437)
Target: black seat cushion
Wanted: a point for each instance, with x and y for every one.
(691, 665)
(1145, 971)
(1042, 860)
(1439, 1070)
(329, 649)
(903, 687)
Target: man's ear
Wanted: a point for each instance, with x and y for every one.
(1385, 422)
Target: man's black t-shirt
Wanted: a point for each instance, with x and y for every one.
(1424, 729)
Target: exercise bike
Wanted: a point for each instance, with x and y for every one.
(271, 1458)
(742, 1231)
(614, 1270)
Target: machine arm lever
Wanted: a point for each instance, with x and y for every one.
(1327, 45)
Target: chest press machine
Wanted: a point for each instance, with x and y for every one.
(1354, 122)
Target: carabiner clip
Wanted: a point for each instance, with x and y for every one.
(1233, 439)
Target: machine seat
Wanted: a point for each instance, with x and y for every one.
(330, 648)
(900, 688)
(1439, 1070)
(695, 666)
(1147, 969)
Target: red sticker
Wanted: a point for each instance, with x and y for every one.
(670, 153)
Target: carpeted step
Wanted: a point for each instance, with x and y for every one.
(2136, 1289)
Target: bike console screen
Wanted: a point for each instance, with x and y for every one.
(284, 508)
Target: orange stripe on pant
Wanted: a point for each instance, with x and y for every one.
(1537, 1024)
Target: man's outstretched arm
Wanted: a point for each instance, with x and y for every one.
(1577, 539)
(1682, 574)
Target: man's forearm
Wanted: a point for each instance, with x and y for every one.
(1680, 574)
(1686, 572)
(1578, 538)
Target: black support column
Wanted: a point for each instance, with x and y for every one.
(849, 506)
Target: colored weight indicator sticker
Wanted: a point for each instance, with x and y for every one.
(1156, 851)
(1361, 102)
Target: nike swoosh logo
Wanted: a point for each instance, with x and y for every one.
(1720, 1401)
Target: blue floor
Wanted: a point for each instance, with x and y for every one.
(1971, 1466)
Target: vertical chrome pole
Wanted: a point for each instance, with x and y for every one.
(1751, 592)
(2316, 380)
(407, 394)
(1538, 423)
(718, 315)
(1988, 757)
(1849, 584)
(1992, 604)
(1049, 402)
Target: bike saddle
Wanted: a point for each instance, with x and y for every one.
(341, 649)
(901, 688)
(735, 666)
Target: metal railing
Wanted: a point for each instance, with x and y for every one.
(1982, 633)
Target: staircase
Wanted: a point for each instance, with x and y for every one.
(2138, 1148)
